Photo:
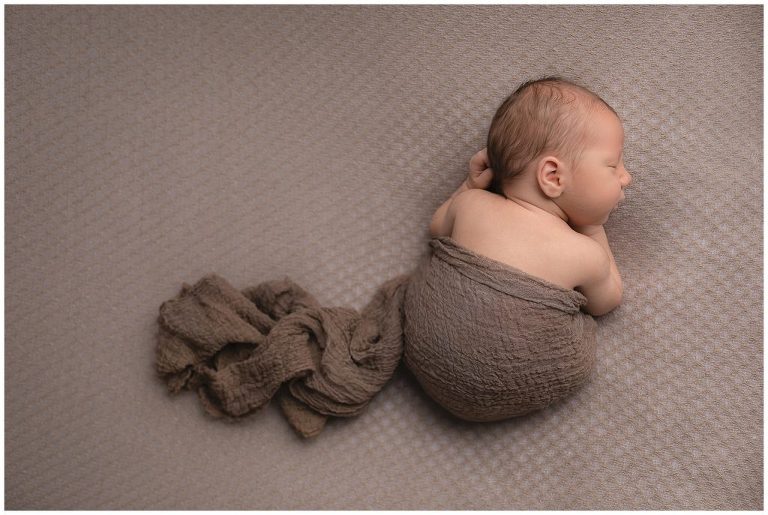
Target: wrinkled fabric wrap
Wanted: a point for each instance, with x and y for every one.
(488, 341)
(485, 340)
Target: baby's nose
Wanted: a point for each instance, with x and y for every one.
(627, 179)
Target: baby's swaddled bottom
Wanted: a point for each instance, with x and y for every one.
(487, 341)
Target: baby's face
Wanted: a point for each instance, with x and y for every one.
(599, 180)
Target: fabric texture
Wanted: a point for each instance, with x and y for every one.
(488, 341)
(485, 340)
(147, 146)
(237, 349)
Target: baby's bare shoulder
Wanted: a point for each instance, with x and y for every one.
(475, 198)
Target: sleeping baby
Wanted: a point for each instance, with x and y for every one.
(494, 323)
(537, 196)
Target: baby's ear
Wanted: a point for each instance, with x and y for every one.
(550, 176)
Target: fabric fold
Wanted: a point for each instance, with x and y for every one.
(237, 349)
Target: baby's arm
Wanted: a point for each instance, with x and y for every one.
(479, 177)
(602, 286)
(442, 220)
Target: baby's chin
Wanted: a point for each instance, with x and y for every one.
(609, 214)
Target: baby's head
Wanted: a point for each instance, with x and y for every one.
(552, 117)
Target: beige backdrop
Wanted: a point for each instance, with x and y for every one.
(149, 145)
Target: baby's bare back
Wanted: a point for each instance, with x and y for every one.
(504, 231)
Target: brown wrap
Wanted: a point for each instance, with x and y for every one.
(485, 340)
(488, 341)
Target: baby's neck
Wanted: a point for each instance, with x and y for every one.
(536, 203)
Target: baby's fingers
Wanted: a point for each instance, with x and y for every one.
(479, 162)
(480, 179)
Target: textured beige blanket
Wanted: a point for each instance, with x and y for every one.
(485, 340)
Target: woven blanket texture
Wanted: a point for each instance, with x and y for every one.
(148, 146)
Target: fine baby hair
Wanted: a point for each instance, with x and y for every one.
(542, 115)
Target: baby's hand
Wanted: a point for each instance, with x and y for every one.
(480, 175)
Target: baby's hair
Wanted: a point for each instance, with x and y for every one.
(543, 115)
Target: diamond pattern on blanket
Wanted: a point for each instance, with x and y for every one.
(147, 146)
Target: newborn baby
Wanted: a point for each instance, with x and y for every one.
(493, 323)
(537, 196)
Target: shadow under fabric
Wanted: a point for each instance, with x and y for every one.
(485, 340)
